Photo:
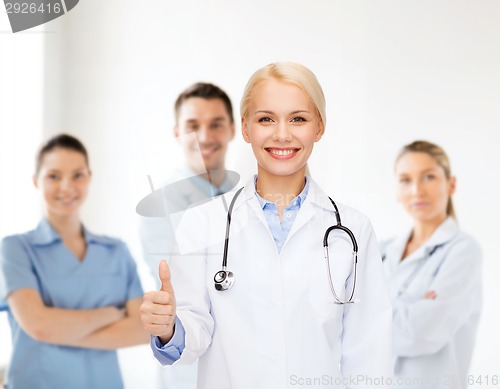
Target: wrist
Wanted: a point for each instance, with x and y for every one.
(164, 339)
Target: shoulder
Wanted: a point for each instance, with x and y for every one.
(466, 245)
(386, 244)
(348, 214)
(352, 215)
(15, 242)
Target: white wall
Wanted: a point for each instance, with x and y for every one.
(393, 71)
(21, 127)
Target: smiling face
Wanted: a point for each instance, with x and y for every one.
(63, 180)
(204, 130)
(282, 125)
(423, 188)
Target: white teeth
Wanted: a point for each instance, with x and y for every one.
(281, 152)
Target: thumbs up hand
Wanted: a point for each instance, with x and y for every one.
(158, 307)
(164, 273)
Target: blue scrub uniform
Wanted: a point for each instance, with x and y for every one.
(106, 277)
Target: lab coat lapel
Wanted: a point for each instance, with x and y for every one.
(394, 249)
(444, 233)
(315, 197)
(252, 202)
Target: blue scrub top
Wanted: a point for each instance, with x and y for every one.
(106, 277)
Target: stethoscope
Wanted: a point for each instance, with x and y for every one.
(404, 287)
(224, 279)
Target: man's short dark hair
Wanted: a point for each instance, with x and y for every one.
(206, 91)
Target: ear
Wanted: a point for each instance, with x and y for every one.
(244, 130)
(176, 132)
(35, 181)
(452, 184)
(320, 131)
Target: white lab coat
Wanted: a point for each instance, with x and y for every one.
(157, 239)
(158, 233)
(278, 326)
(434, 339)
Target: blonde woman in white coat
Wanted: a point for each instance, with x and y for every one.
(434, 274)
(279, 325)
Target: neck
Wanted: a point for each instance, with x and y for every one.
(216, 177)
(281, 190)
(423, 230)
(67, 227)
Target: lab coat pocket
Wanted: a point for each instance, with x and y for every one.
(321, 298)
(320, 291)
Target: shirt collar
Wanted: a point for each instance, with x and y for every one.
(206, 186)
(446, 231)
(443, 234)
(297, 201)
(45, 234)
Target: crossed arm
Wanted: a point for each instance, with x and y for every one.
(100, 328)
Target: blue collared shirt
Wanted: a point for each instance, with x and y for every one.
(280, 229)
(106, 277)
(171, 351)
(207, 187)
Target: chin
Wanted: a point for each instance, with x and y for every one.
(424, 216)
(65, 212)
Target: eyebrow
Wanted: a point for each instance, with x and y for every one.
(52, 170)
(292, 113)
(431, 169)
(217, 119)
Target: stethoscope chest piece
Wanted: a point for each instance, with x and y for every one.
(223, 280)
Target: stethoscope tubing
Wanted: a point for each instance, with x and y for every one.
(338, 226)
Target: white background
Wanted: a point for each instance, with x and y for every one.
(393, 71)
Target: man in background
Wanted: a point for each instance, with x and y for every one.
(204, 126)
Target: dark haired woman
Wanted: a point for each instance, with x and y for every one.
(73, 296)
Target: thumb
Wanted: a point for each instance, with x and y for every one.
(164, 273)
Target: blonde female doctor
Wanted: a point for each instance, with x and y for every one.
(267, 316)
(434, 272)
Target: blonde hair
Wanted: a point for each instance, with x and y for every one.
(436, 152)
(290, 72)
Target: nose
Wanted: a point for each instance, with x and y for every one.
(417, 187)
(203, 134)
(66, 184)
(282, 132)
